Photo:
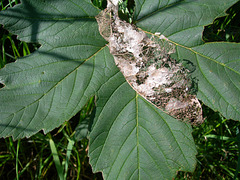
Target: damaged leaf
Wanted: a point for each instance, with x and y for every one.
(148, 67)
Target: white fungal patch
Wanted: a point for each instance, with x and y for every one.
(147, 66)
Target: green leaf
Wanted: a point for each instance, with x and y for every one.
(219, 74)
(180, 21)
(50, 86)
(216, 63)
(82, 129)
(130, 138)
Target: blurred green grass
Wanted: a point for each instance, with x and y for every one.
(45, 156)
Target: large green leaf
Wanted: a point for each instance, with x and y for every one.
(218, 73)
(182, 22)
(130, 138)
(50, 86)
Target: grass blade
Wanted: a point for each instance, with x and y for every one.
(238, 163)
(56, 159)
(18, 144)
(69, 150)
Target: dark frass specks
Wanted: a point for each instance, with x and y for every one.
(147, 66)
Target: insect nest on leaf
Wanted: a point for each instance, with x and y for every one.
(147, 65)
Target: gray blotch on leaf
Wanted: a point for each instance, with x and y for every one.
(147, 66)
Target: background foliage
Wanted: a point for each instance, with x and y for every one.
(216, 139)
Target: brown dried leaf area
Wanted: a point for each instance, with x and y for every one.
(147, 66)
